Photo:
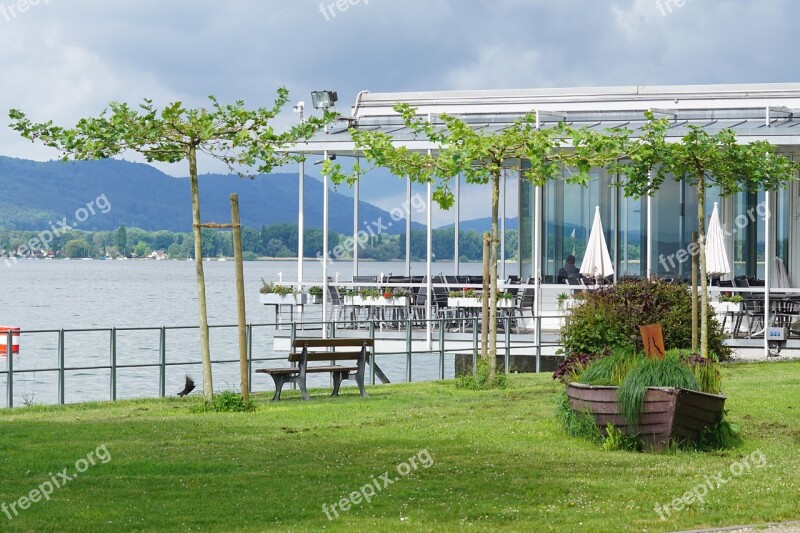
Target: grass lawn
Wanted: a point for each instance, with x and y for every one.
(497, 460)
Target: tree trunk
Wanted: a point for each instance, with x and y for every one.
(695, 307)
(487, 243)
(493, 280)
(208, 387)
(701, 219)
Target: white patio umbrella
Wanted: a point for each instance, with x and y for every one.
(780, 278)
(597, 261)
(716, 255)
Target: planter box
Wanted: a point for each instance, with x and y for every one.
(401, 301)
(477, 302)
(721, 308)
(315, 299)
(667, 413)
(283, 299)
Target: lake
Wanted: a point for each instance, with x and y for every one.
(53, 295)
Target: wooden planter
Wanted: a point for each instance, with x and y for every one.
(667, 414)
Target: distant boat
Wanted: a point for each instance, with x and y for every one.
(222, 259)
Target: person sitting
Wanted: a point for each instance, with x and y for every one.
(569, 270)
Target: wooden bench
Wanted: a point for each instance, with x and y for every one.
(305, 351)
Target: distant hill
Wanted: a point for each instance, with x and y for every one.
(34, 194)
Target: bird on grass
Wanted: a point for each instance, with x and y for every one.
(188, 388)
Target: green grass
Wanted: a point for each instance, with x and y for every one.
(501, 461)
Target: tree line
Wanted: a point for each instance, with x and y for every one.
(275, 241)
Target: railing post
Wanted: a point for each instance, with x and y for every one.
(250, 356)
(475, 344)
(292, 337)
(61, 365)
(162, 362)
(372, 365)
(441, 348)
(113, 354)
(409, 349)
(10, 367)
(508, 344)
(538, 340)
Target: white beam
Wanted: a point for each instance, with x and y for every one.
(356, 194)
(408, 227)
(456, 250)
(325, 250)
(301, 224)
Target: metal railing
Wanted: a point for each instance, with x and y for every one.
(435, 343)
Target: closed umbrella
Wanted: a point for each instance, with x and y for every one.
(716, 255)
(597, 261)
(780, 278)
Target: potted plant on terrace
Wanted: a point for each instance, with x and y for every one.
(273, 294)
(315, 293)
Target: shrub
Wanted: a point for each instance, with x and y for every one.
(227, 402)
(609, 317)
(572, 367)
(479, 380)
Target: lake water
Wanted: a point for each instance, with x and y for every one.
(53, 295)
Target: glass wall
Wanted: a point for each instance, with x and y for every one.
(568, 213)
(674, 216)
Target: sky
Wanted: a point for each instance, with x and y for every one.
(66, 59)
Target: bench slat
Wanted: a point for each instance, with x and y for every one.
(338, 343)
(309, 370)
(326, 356)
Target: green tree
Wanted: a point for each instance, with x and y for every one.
(703, 160)
(122, 240)
(243, 139)
(481, 157)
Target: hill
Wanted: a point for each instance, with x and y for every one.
(38, 194)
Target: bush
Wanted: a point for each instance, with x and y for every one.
(609, 317)
(479, 380)
(227, 402)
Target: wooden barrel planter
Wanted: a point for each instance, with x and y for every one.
(667, 414)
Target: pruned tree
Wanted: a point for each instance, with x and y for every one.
(481, 157)
(702, 160)
(242, 138)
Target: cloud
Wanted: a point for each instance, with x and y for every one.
(63, 60)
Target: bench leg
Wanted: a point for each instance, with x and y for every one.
(279, 381)
(360, 382)
(303, 390)
(337, 382)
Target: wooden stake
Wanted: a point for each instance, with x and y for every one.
(240, 301)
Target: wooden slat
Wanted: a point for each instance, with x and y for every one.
(336, 368)
(278, 371)
(327, 356)
(332, 343)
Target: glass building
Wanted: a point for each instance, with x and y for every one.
(644, 235)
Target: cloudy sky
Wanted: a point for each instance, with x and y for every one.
(65, 59)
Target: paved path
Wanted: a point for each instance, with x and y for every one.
(787, 527)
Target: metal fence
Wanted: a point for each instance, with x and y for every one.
(432, 334)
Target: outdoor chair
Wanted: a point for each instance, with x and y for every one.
(753, 311)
